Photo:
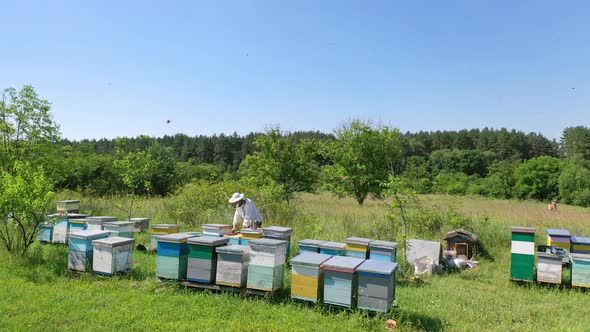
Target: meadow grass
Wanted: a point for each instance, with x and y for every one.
(39, 293)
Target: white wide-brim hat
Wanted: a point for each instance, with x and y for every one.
(236, 197)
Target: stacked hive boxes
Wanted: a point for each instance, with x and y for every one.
(140, 224)
(80, 255)
(357, 247)
(62, 228)
(120, 228)
(45, 232)
(340, 280)
(383, 251)
(96, 222)
(333, 248)
(279, 233)
(217, 229)
(267, 264)
(376, 285)
(232, 265)
(559, 238)
(78, 225)
(307, 276)
(548, 268)
(173, 256)
(580, 245)
(202, 258)
(309, 245)
(162, 229)
(523, 254)
(112, 255)
(580, 270)
(250, 234)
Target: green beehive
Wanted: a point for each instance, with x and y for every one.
(522, 265)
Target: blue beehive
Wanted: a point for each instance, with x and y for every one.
(61, 228)
(45, 232)
(333, 248)
(202, 258)
(173, 255)
(383, 250)
(376, 285)
(580, 276)
(78, 225)
(309, 245)
(80, 255)
(357, 247)
(120, 228)
(340, 280)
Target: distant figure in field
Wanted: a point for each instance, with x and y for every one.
(247, 211)
(553, 206)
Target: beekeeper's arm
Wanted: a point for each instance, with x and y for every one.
(236, 220)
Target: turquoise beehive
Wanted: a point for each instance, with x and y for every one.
(383, 250)
(309, 245)
(172, 257)
(81, 249)
(267, 264)
(333, 248)
(120, 228)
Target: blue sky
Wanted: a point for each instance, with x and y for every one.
(113, 69)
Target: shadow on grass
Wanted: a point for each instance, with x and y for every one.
(482, 252)
(416, 320)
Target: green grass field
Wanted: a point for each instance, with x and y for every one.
(39, 293)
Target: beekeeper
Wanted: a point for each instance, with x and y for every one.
(247, 211)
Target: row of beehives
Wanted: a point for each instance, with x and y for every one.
(328, 277)
(561, 248)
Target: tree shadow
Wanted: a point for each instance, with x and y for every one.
(481, 251)
(417, 320)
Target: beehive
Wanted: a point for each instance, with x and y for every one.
(523, 254)
(173, 255)
(232, 265)
(112, 255)
(267, 264)
(559, 238)
(376, 285)
(333, 248)
(340, 280)
(309, 245)
(307, 276)
(202, 258)
(161, 229)
(383, 251)
(217, 229)
(580, 276)
(80, 255)
(120, 228)
(234, 238)
(580, 245)
(68, 206)
(279, 233)
(357, 247)
(96, 222)
(548, 268)
(78, 225)
(61, 228)
(45, 232)
(140, 224)
(250, 234)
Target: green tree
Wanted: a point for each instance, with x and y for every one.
(451, 183)
(500, 180)
(24, 200)
(364, 155)
(575, 142)
(537, 178)
(574, 184)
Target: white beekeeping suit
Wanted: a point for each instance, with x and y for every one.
(247, 211)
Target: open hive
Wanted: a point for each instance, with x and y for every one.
(97, 222)
(522, 266)
(548, 268)
(376, 285)
(279, 233)
(267, 264)
(140, 224)
(173, 255)
(217, 229)
(307, 276)
(580, 276)
(81, 249)
(357, 247)
(161, 229)
(234, 238)
(383, 250)
(580, 245)
(112, 255)
(333, 248)
(232, 265)
(559, 238)
(250, 234)
(202, 258)
(309, 245)
(340, 280)
(120, 228)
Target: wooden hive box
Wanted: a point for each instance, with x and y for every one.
(250, 234)
(383, 250)
(234, 238)
(333, 248)
(173, 255)
(309, 245)
(45, 232)
(202, 258)
(140, 224)
(580, 276)
(522, 265)
(232, 265)
(559, 238)
(376, 285)
(161, 229)
(112, 255)
(68, 206)
(120, 228)
(461, 242)
(307, 276)
(97, 222)
(81, 249)
(267, 264)
(580, 245)
(548, 268)
(78, 225)
(61, 228)
(357, 247)
(279, 233)
(340, 280)
(217, 229)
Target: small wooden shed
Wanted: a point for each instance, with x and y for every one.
(462, 242)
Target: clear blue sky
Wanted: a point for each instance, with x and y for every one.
(113, 69)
